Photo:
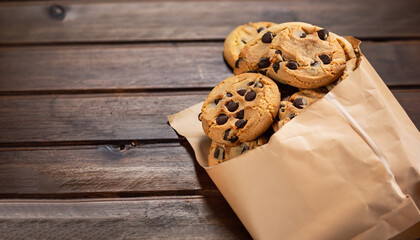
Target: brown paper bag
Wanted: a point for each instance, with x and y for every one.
(347, 167)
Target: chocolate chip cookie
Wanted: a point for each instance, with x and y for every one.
(351, 64)
(286, 113)
(240, 36)
(240, 108)
(298, 54)
(220, 153)
(298, 101)
(306, 97)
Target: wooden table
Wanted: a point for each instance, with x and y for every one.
(85, 88)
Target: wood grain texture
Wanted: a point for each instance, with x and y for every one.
(104, 169)
(112, 67)
(396, 62)
(194, 217)
(160, 66)
(190, 20)
(141, 116)
(91, 117)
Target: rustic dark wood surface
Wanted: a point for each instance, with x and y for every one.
(85, 148)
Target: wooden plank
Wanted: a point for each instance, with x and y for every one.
(151, 66)
(104, 170)
(208, 217)
(395, 62)
(196, 20)
(141, 116)
(112, 67)
(91, 117)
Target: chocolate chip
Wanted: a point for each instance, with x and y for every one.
(302, 35)
(314, 63)
(225, 137)
(232, 106)
(240, 114)
(250, 83)
(246, 148)
(264, 62)
(260, 29)
(278, 52)
(219, 153)
(216, 153)
(250, 95)
(243, 41)
(217, 100)
(282, 107)
(292, 116)
(241, 123)
(228, 94)
(263, 72)
(237, 62)
(258, 84)
(241, 91)
(267, 37)
(323, 34)
(292, 65)
(221, 119)
(199, 116)
(325, 59)
(300, 103)
(233, 139)
(252, 71)
(276, 66)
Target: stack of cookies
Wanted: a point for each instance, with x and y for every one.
(280, 69)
